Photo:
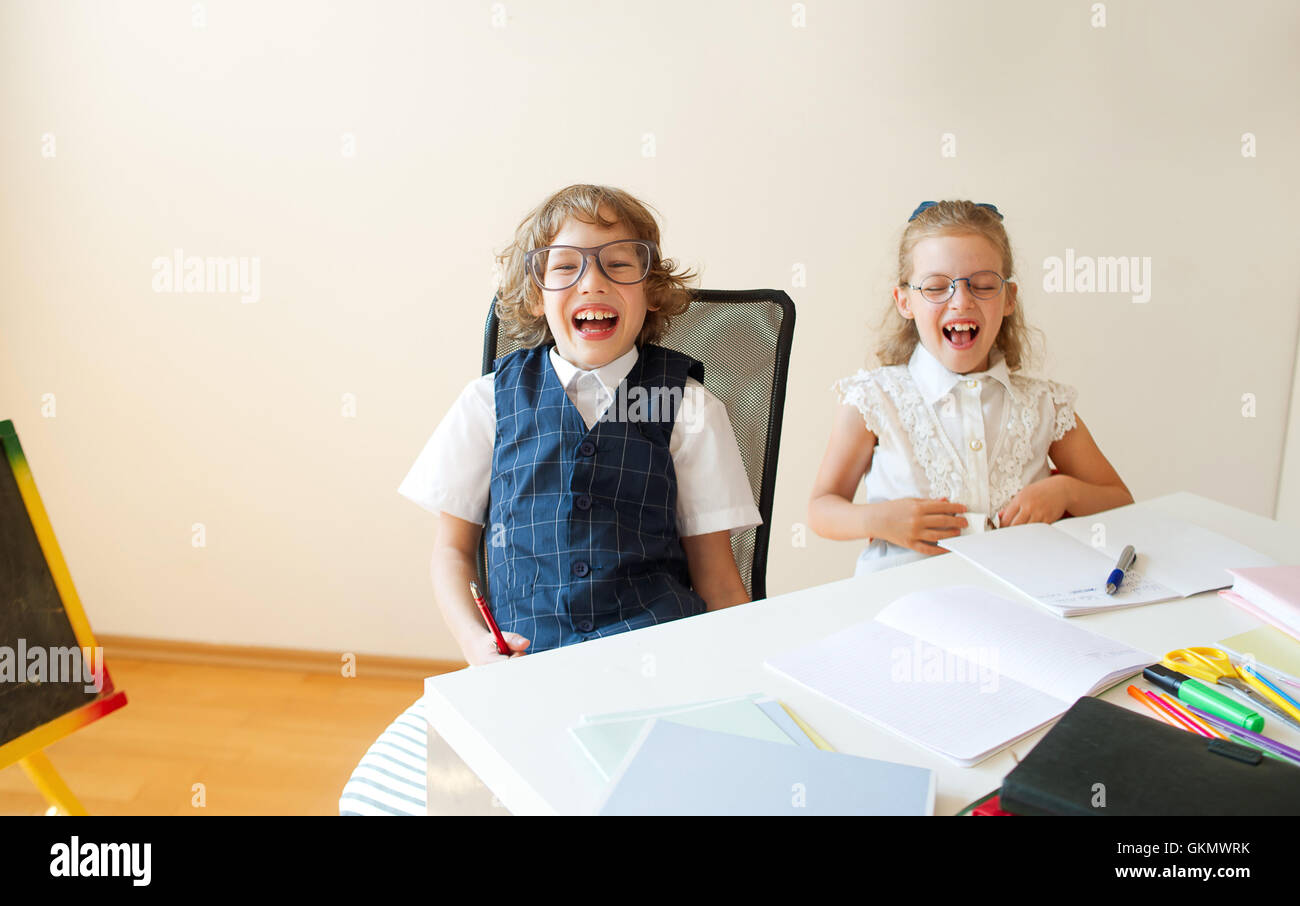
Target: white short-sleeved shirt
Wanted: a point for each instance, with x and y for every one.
(453, 473)
(977, 438)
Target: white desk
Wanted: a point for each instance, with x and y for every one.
(509, 722)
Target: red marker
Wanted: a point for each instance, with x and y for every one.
(502, 647)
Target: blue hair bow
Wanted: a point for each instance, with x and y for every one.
(929, 204)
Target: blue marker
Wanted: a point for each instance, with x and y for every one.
(1127, 558)
(1259, 676)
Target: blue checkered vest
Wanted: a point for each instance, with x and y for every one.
(582, 535)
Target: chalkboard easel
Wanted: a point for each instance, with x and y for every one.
(53, 680)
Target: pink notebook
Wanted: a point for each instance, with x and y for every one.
(1269, 593)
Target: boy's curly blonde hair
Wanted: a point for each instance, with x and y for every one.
(955, 218)
(667, 294)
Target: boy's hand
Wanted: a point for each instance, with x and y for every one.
(483, 650)
(916, 523)
(1042, 501)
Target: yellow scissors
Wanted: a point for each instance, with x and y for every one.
(1215, 666)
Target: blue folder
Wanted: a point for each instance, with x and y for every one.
(681, 770)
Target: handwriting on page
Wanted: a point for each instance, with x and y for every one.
(1136, 589)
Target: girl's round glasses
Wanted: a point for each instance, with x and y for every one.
(939, 288)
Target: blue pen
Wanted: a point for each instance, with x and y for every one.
(1127, 558)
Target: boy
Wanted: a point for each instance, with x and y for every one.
(608, 476)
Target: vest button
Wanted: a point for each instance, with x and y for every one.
(580, 568)
(583, 502)
(587, 448)
(585, 626)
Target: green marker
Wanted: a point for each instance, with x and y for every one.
(1194, 692)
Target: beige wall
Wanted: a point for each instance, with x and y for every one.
(1288, 493)
(773, 145)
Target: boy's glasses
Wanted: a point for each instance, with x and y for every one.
(939, 288)
(624, 261)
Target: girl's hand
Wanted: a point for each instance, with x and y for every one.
(917, 523)
(1042, 501)
(483, 649)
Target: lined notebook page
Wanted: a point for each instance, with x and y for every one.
(893, 680)
(1059, 658)
(959, 670)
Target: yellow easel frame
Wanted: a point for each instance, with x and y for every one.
(28, 749)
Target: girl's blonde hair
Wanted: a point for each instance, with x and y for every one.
(955, 218)
(667, 294)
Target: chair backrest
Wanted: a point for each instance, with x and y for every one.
(743, 338)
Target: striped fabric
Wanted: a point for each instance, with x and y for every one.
(390, 780)
(410, 764)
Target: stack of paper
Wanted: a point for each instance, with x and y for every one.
(608, 738)
(1064, 566)
(959, 670)
(1271, 594)
(674, 769)
(1269, 650)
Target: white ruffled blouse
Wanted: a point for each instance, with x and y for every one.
(976, 438)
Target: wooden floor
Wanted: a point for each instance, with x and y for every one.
(261, 741)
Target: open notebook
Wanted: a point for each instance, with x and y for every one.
(1064, 566)
(959, 670)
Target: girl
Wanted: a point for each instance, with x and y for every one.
(950, 436)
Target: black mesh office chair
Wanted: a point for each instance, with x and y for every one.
(743, 338)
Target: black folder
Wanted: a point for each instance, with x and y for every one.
(1101, 759)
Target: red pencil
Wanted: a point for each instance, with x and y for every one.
(502, 647)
